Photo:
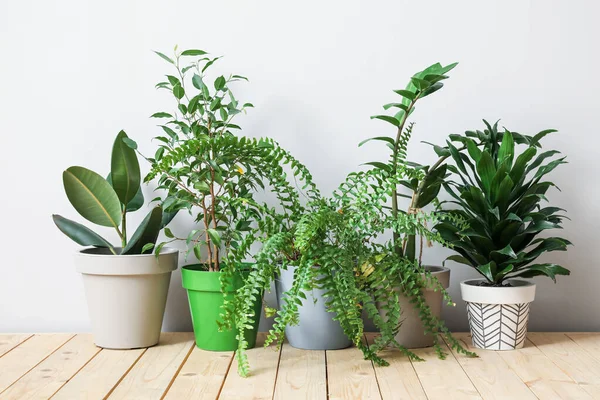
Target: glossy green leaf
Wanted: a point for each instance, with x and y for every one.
(178, 91)
(92, 196)
(406, 93)
(387, 118)
(147, 232)
(486, 170)
(507, 149)
(380, 138)
(124, 170)
(161, 55)
(215, 237)
(161, 115)
(79, 233)
(193, 53)
(549, 270)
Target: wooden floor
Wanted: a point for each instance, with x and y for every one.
(68, 366)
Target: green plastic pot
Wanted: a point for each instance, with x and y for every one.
(205, 297)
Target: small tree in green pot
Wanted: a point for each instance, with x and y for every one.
(131, 316)
(500, 194)
(213, 173)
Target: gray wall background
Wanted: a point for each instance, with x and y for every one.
(75, 72)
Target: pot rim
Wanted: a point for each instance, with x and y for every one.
(523, 292)
(85, 253)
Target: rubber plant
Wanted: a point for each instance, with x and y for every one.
(212, 171)
(500, 193)
(106, 202)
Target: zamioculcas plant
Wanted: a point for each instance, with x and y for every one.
(213, 172)
(500, 194)
(137, 281)
(107, 202)
(387, 185)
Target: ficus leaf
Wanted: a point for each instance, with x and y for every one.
(124, 170)
(79, 233)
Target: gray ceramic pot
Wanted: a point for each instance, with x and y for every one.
(316, 330)
(412, 333)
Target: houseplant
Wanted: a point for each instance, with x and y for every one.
(500, 214)
(336, 246)
(418, 186)
(214, 174)
(131, 316)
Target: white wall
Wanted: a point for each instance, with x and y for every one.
(75, 72)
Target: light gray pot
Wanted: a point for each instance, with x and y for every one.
(126, 295)
(317, 330)
(412, 332)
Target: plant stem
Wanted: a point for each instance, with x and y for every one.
(124, 228)
(395, 210)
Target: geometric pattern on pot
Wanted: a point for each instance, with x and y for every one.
(498, 326)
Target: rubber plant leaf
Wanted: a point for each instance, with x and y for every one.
(146, 233)
(124, 170)
(79, 233)
(136, 203)
(92, 196)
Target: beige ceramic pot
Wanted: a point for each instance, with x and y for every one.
(412, 332)
(126, 295)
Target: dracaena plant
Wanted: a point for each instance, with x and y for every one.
(500, 193)
(107, 202)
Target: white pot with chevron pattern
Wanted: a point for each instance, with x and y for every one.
(498, 316)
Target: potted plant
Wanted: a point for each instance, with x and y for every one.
(214, 174)
(126, 287)
(500, 194)
(418, 186)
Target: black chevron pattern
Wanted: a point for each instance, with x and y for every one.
(498, 326)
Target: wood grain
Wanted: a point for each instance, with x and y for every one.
(202, 375)
(261, 382)
(399, 380)
(301, 374)
(443, 379)
(52, 373)
(350, 376)
(27, 355)
(9, 342)
(152, 375)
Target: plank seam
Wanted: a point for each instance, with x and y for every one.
(374, 370)
(110, 392)
(17, 345)
(41, 361)
(461, 367)
(226, 374)
(326, 375)
(277, 371)
(178, 371)
(82, 367)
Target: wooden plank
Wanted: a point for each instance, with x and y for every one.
(443, 379)
(152, 375)
(520, 374)
(52, 373)
(543, 377)
(202, 375)
(302, 374)
(350, 376)
(570, 357)
(100, 375)
(30, 353)
(263, 373)
(9, 342)
(398, 380)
